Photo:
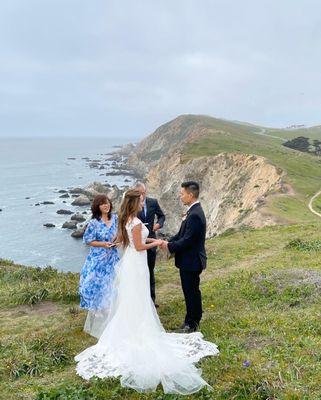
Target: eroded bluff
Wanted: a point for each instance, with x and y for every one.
(233, 189)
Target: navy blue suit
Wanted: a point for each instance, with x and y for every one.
(190, 257)
(152, 210)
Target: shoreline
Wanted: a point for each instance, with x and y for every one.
(60, 209)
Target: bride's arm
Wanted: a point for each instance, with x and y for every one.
(150, 240)
(137, 238)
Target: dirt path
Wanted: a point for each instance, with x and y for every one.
(262, 132)
(311, 202)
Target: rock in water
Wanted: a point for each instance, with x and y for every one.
(64, 196)
(79, 233)
(78, 218)
(81, 201)
(49, 225)
(64, 212)
(70, 225)
(76, 191)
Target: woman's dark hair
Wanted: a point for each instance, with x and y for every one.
(98, 201)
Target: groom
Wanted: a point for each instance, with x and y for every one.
(190, 256)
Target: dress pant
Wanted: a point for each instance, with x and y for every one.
(151, 260)
(193, 298)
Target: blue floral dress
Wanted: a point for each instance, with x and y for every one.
(98, 272)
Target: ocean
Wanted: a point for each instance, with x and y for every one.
(33, 170)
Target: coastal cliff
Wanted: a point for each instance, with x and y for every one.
(234, 186)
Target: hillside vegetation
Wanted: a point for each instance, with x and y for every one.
(261, 295)
(303, 171)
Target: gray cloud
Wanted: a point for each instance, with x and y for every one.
(122, 68)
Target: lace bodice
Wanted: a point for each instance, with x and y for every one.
(129, 227)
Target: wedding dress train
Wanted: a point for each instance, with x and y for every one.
(134, 345)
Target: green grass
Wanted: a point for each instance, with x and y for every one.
(303, 171)
(316, 204)
(261, 300)
(292, 209)
(314, 132)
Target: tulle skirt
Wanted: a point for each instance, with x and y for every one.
(133, 344)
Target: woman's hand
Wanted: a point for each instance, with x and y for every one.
(96, 243)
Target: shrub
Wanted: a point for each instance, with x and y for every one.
(299, 244)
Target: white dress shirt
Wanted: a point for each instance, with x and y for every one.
(197, 201)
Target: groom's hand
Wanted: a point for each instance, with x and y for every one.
(164, 245)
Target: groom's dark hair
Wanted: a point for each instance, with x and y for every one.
(192, 187)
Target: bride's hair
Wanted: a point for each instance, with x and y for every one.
(128, 209)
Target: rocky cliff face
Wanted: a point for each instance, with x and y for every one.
(233, 185)
(167, 140)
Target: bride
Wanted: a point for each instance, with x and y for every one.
(134, 345)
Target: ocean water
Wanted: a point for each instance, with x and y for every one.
(37, 168)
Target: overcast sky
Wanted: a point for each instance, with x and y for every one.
(101, 67)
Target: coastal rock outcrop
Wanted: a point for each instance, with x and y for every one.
(78, 218)
(232, 187)
(79, 233)
(70, 225)
(49, 225)
(168, 139)
(64, 212)
(82, 200)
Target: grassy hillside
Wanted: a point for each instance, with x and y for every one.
(314, 132)
(303, 170)
(261, 295)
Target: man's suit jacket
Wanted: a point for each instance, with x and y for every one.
(189, 243)
(152, 209)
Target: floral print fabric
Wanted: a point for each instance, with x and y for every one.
(98, 272)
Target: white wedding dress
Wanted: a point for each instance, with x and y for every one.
(134, 345)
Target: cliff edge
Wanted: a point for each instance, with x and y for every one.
(234, 186)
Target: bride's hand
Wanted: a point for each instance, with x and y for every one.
(157, 242)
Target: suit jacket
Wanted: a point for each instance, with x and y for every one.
(189, 243)
(152, 209)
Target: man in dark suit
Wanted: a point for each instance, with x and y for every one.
(151, 209)
(190, 255)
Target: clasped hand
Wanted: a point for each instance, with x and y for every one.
(109, 245)
(161, 243)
